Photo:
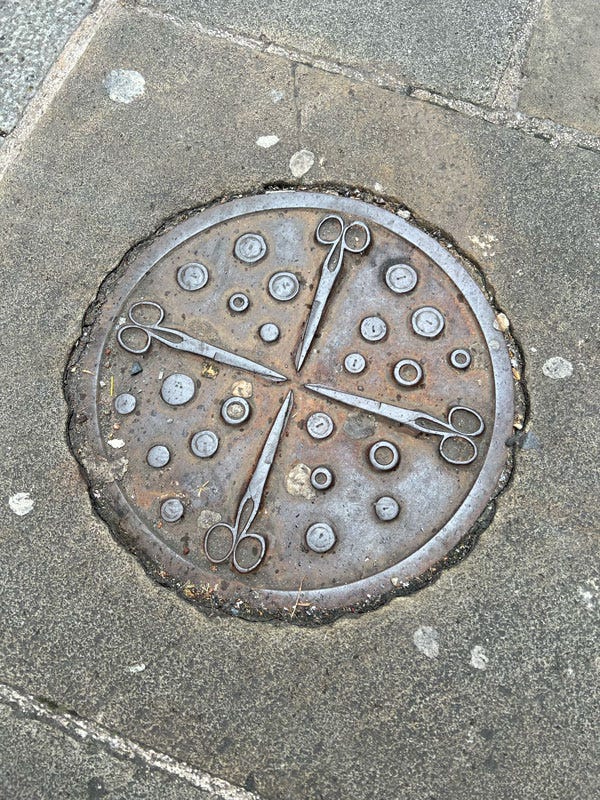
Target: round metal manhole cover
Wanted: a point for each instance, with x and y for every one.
(292, 404)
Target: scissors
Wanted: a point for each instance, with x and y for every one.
(339, 243)
(181, 341)
(419, 421)
(249, 505)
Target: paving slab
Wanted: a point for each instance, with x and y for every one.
(484, 683)
(562, 69)
(40, 761)
(458, 48)
(31, 38)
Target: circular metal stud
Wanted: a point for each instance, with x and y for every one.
(239, 302)
(401, 278)
(235, 410)
(125, 403)
(284, 286)
(178, 389)
(408, 372)
(427, 322)
(384, 456)
(320, 537)
(192, 276)
(269, 332)
(171, 510)
(386, 508)
(373, 329)
(204, 444)
(321, 478)
(355, 363)
(460, 358)
(250, 248)
(319, 425)
(158, 456)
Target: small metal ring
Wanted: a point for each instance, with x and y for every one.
(327, 478)
(384, 445)
(460, 359)
(238, 401)
(408, 362)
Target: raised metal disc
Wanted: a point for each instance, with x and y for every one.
(205, 423)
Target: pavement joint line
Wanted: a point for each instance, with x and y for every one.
(546, 129)
(119, 746)
(509, 84)
(66, 62)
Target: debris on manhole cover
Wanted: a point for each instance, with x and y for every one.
(292, 405)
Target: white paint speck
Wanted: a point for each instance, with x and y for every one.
(135, 668)
(426, 641)
(588, 594)
(21, 503)
(267, 141)
(485, 243)
(301, 162)
(116, 444)
(378, 187)
(557, 368)
(124, 85)
(479, 659)
(277, 95)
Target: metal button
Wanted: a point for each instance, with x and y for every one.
(321, 478)
(373, 329)
(204, 444)
(125, 403)
(384, 456)
(269, 332)
(401, 278)
(428, 322)
(319, 425)
(284, 286)
(192, 276)
(250, 248)
(320, 537)
(239, 302)
(408, 372)
(386, 508)
(171, 510)
(158, 456)
(235, 410)
(178, 389)
(460, 359)
(354, 363)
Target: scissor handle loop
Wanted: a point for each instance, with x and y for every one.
(359, 248)
(262, 548)
(210, 533)
(480, 427)
(135, 350)
(146, 304)
(335, 239)
(464, 441)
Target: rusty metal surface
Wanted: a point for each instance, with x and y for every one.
(315, 412)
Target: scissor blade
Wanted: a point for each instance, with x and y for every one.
(263, 467)
(233, 360)
(363, 403)
(316, 312)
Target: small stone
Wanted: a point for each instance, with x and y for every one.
(124, 85)
(557, 368)
(267, 141)
(136, 368)
(301, 162)
(501, 324)
(116, 444)
(479, 659)
(20, 503)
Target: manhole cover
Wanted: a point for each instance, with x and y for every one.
(291, 405)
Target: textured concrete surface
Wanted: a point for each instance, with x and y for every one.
(38, 761)
(484, 684)
(562, 70)
(460, 47)
(32, 35)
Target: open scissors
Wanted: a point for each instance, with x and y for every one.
(353, 238)
(181, 341)
(451, 435)
(249, 505)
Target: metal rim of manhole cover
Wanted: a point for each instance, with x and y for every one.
(293, 405)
